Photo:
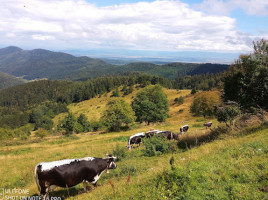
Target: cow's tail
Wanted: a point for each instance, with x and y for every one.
(36, 178)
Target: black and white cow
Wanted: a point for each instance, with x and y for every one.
(70, 172)
(152, 133)
(184, 129)
(169, 135)
(135, 139)
(208, 124)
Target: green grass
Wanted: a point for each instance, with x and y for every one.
(232, 167)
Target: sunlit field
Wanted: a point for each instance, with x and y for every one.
(136, 174)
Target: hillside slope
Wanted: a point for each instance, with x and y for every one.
(233, 167)
(40, 63)
(7, 80)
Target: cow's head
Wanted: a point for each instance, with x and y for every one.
(111, 162)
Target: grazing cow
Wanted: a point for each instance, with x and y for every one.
(152, 133)
(184, 129)
(135, 139)
(169, 135)
(70, 172)
(208, 124)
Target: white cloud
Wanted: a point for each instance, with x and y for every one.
(159, 25)
(42, 37)
(224, 7)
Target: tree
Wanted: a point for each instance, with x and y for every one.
(246, 81)
(227, 114)
(82, 120)
(151, 105)
(204, 103)
(193, 91)
(115, 93)
(68, 123)
(118, 115)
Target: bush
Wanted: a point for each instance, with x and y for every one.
(181, 110)
(204, 104)
(155, 146)
(227, 114)
(120, 152)
(179, 100)
(96, 125)
(78, 128)
(193, 91)
(41, 133)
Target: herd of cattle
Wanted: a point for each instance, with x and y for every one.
(70, 172)
(137, 138)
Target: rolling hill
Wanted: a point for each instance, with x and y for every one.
(7, 80)
(232, 167)
(40, 63)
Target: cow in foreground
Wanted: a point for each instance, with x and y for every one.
(184, 129)
(135, 139)
(208, 124)
(70, 172)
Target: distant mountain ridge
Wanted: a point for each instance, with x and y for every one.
(41, 63)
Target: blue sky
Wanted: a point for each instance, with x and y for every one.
(185, 27)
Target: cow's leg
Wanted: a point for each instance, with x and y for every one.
(95, 185)
(85, 185)
(43, 192)
(47, 193)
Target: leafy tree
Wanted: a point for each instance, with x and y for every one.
(151, 105)
(227, 114)
(68, 123)
(118, 115)
(82, 120)
(204, 104)
(246, 81)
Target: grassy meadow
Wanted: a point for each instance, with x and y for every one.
(227, 168)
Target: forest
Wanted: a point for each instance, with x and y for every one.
(18, 102)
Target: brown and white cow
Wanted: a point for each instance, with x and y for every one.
(70, 172)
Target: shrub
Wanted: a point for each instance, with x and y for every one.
(227, 114)
(204, 104)
(41, 133)
(96, 125)
(155, 146)
(179, 100)
(119, 151)
(181, 110)
(193, 91)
